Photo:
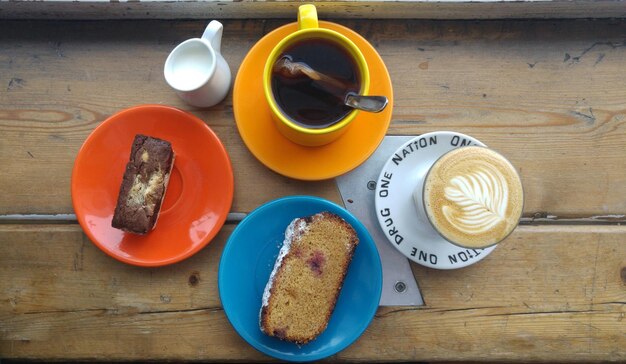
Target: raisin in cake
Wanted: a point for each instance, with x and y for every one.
(308, 274)
(143, 185)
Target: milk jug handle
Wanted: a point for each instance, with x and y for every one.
(213, 34)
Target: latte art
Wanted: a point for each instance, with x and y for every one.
(482, 199)
(472, 196)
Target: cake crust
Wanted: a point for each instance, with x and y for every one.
(144, 184)
(307, 278)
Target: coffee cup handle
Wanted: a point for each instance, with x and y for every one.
(213, 34)
(307, 17)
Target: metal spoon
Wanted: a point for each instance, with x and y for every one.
(367, 103)
(288, 68)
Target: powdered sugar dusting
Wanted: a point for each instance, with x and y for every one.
(296, 228)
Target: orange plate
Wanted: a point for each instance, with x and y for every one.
(198, 197)
(268, 145)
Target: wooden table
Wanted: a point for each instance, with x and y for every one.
(549, 94)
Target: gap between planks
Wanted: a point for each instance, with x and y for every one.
(539, 218)
(232, 218)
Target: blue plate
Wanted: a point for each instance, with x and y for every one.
(247, 262)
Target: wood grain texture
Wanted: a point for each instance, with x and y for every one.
(549, 95)
(545, 294)
(59, 83)
(254, 9)
(549, 108)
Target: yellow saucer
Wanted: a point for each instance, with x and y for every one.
(270, 147)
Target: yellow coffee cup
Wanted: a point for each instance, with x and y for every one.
(308, 29)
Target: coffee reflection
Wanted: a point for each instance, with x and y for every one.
(306, 98)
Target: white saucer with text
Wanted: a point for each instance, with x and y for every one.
(396, 212)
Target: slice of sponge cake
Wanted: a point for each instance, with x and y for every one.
(303, 288)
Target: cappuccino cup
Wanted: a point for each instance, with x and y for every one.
(472, 196)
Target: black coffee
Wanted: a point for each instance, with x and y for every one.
(315, 103)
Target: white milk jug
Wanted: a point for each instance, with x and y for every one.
(196, 69)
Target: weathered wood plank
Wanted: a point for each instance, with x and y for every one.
(74, 267)
(548, 94)
(543, 98)
(547, 293)
(58, 88)
(248, 9)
